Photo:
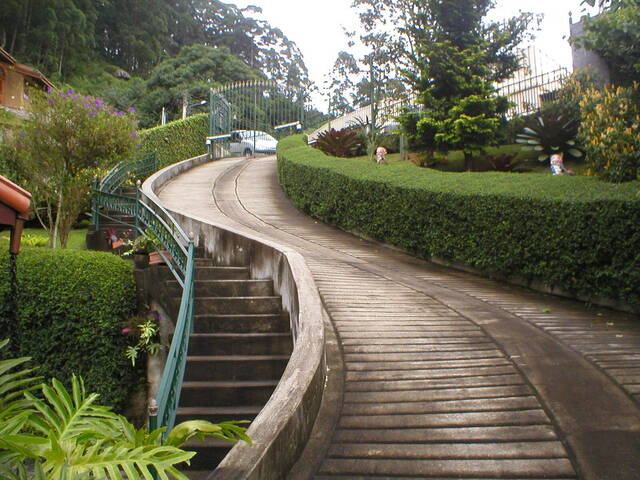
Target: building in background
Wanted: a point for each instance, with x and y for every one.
(16, 82)
(533, 84)
(583, 59)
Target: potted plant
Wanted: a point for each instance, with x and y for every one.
(140, 248)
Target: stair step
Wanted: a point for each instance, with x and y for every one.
(237, 305)
(196, 474)
(210, 452)
(218, 414)
(240, 344)
(239, 323)
(210, 273)
(204, 262)
(226, 288)
(235, 367)
(220, 394)
(222, 273)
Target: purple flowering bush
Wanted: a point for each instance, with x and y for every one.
(69, 139)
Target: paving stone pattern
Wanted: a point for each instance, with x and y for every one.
(435, 383)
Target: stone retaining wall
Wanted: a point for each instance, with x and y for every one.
(282, 428)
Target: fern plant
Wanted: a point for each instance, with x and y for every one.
(64, 435)
(340, 143)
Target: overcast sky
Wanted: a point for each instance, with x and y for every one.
(317, 27)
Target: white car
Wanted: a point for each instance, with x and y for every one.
(249, 142)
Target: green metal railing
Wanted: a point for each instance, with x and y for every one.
(132, 170)
(179, 255)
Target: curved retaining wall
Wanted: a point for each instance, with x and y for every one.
(282, 428)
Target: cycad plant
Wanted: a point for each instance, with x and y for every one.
(340, 143)
(550, 133)
(58, 434)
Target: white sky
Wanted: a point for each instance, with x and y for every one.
(317, 27)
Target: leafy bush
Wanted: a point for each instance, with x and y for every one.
(573, 233)
(340, 143)
(504, 163)
(177, 141)
(69, 139)
(64, 435)
(611, 132)
(71, 307)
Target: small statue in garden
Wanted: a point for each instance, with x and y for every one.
(557, 165)
(381, 153)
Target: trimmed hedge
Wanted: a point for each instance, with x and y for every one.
(72, 306)
(573, 233)
(177, 141)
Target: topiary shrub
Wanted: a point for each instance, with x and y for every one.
(71, 306)
(610, 131)
(177, 141)
(570, 233)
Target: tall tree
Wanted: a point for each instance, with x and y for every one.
(55, 36)
(453, 57)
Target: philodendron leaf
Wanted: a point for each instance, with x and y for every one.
(184, 431)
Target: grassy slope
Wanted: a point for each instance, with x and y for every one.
(76, 237)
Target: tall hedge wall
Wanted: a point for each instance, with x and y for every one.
(177, 141)
(573, 233)
(71, 307)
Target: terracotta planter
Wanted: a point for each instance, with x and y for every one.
(156, 259)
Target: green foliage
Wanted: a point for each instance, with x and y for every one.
(148, 333)
(549, 133)
(65, 435)
(64, 37)
(71, 306)
(610, 131)
(195, 70)
(66, 142)
(504, 163)
(456, 59)
(615, 36)
(573, 233)
(177, 141)
(340, 143)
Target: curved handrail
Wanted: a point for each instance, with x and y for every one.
(148, 215)
(134, 169)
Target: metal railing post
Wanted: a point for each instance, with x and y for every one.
(95, 203)
(137, 206)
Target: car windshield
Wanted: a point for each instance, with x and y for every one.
(250, 134)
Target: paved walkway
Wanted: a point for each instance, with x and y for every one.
(441, 374)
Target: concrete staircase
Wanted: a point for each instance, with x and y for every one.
(237, 354)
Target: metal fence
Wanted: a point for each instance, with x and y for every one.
(527, 95)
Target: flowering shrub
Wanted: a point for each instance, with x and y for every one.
(68, 140)
(610, 132)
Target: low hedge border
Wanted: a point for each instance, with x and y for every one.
(574, 234)
(177, 140)
(71, 308)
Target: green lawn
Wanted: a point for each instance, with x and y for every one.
(454, 161)
(39, 236)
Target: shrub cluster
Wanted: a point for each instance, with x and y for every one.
(574, 233)
(71, 307)
(610, 132)
(177, 141)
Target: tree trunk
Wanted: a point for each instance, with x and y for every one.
(468, 161)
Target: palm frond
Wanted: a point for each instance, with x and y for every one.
(103, 461)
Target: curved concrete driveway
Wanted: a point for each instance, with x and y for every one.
(440, 374)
